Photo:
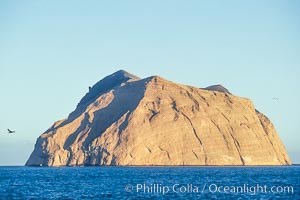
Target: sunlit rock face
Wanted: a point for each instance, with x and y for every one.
(125, 120)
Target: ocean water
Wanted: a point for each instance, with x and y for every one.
(150, 182)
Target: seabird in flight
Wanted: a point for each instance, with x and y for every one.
(10, 131)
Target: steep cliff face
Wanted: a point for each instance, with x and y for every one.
(125, 120)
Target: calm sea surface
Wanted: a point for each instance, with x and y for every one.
(150, 183)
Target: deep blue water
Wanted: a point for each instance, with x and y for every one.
(150, 183)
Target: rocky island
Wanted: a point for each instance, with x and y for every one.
(125, 120)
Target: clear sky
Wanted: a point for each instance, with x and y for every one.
(52, 51)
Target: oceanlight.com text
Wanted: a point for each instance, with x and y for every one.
(213, 188)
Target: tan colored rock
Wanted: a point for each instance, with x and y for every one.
(124, 120)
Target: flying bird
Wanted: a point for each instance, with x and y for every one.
(10, 131)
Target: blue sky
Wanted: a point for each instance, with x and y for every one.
(52, 51)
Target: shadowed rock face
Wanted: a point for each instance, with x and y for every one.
(125, 120)
(218, 88)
